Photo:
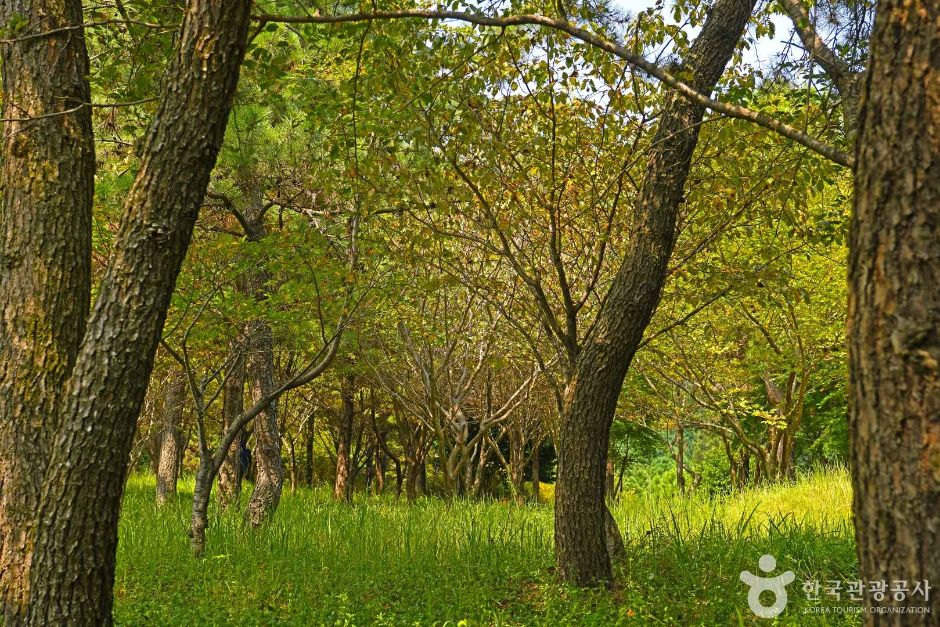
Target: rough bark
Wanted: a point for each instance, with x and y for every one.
(894, 309)
(72, 575)
(46, 187)
(233, 404)
(269, 475)
(342, 490)
(591, 398)
(170, 437)
(269, 468)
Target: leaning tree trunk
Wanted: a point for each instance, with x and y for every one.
(341, 488)
(269, 468)
(581, 516)
(233, 404)
(171, 419)
(894, 310)
(47, 169)
(72, 574)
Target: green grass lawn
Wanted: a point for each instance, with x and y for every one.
(453, 563)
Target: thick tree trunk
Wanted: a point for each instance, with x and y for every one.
(170, 437)
(342, 490)
(422, 483)
(411, 486)
(47, 169)
(233, 404)
(894, 310)
(269, 468)
(581, 515)
(72, 574)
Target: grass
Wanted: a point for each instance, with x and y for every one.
(381, 562)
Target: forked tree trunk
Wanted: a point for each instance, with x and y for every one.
(894, 310)
(72, 575)
(47, 169)
(581, 516)
(170, 437)
(269, 468)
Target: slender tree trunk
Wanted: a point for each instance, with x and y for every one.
(200, 514)
(341, 486)
(581, 516)
(170, 437)
(72, 575)
(47, 169)
(308, 446)
(269, 468)
(379, 471)
(233, 404)
(894, 310)
(293, 466)
(534, 470)
(517, 465)
(680, 459)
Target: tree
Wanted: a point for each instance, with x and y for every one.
(170, 436)
(591, 399)
(894, 308)
(47, 182)
(90, 412)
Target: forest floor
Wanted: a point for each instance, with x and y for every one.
(382, 562)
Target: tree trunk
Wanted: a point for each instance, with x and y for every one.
(379, 462)
(536, 487)
(894, 310)
(308, 446)
(293, 465)
(422, 487)
(201, 493)
(47, 169)
(233, 404)
(591, 398)
(269, 468)
(170, 437)
(680, 459)
(412, 489)
(72, 574)
(341, 486)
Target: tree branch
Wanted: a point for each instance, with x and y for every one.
(733, 111)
